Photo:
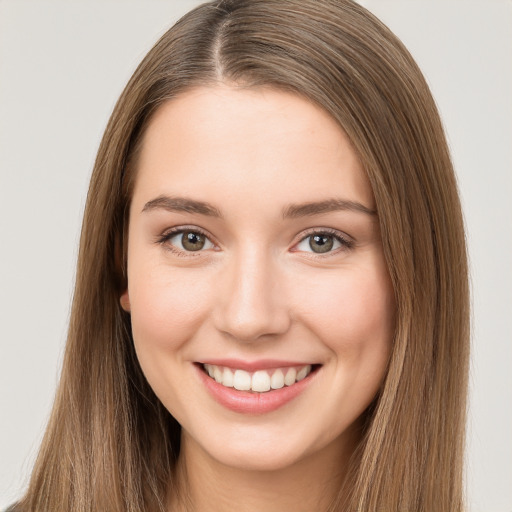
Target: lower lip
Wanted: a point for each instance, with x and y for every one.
(253, 403)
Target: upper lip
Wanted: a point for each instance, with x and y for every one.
(252, 366)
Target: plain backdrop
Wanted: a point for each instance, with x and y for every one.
(62, 66)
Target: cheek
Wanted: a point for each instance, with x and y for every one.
(353, 315)
(167, 311)
(167, 306)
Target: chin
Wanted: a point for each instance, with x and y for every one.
(257, 459)
(263, 448)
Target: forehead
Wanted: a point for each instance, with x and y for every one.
(251, 143)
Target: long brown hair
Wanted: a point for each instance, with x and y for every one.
(110, 444)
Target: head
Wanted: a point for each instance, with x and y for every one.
(340, 60)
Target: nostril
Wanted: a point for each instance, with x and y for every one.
(245, 329)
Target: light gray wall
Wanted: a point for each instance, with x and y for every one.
(62, 66)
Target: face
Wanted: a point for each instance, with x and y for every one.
(261, 306)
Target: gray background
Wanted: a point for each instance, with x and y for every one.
(62, 66)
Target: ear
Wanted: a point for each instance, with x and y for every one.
(125, 301)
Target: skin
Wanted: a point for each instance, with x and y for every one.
(257, 291)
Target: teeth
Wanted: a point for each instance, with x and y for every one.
(303, 372)
(277, 380)
(217, 374)
(242, 380)
(260, 381)
(227, 378)
(289, 378)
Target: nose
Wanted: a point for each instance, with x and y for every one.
(252, 300)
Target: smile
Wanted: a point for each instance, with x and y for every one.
(260, 381)
(255, 388)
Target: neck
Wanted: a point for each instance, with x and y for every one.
(312, 483)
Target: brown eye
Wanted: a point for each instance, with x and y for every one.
(193, 241)
(324, 242)
(321, 243)
(188, 240)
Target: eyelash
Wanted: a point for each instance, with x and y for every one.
(345, 242)
(164, 238)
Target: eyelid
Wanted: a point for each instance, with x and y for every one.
(346, 241)
(168, 233)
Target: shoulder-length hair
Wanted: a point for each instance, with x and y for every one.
(110, 444)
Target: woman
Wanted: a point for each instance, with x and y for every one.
(271, 298)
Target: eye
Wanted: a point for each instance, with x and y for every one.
(323, 242)
(188, 240)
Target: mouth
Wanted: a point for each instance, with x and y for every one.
(256, 388)
(259, 381)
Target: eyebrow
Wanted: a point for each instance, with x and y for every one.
(292, 211)
(181, 204)
(329, 205)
